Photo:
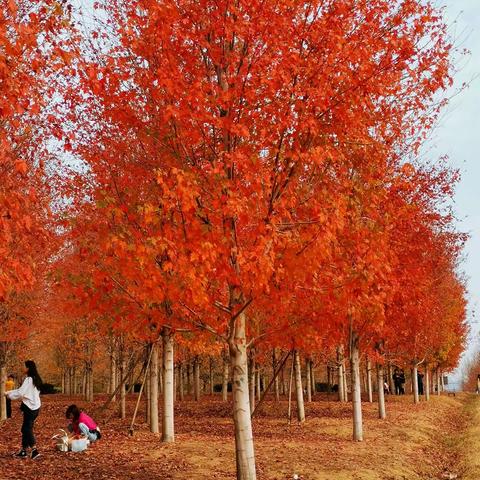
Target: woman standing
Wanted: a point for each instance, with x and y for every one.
(29, 394)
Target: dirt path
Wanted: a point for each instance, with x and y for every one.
(430, 441)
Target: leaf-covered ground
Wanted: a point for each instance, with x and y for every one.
(415, 442)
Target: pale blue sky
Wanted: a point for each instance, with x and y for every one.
(458, 136)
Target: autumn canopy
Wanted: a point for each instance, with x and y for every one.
(232, 179)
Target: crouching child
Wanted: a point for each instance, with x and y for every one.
(82, 424)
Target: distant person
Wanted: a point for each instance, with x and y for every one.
(402, 382)
(397, 381)
(386, 388)
(420, 382)
(82, 424)
(29, 394)
(9, 385)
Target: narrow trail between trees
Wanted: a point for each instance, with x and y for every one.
(433, 440)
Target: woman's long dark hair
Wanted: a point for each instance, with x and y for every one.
(33, 373)
(74, 412)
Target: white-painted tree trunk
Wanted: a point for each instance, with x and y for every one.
(356, 388)
(251, 381)
(147, 397)
(189, 378)
(181, 393)
(341, 384)
(245, 456)
(196, 378)
(276, 381)
(160, 378)
(211, 367)
(88, 388)
(67, 381)
(391, 385)
(74, 381)
(258, 388)
(154, 428)
(3, 401)
(426, 387)
(299, 388)
(312, 373)
(168, 434)
(381, 393)
(416, 398)
(113, 374)
(225, 380)
(84, 383)
(308, 375)
(369, 381)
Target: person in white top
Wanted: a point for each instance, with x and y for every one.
(29, 394)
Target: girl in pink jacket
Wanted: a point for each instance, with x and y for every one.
(82, 424)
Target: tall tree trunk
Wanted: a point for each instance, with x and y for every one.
(369, 381)
(181, 394)
(251, 380)
(225, 380)
(442, 381)
(312, 380)
(299, 388)
(308, 375)
(427, 382)
(175, 381)
(154, 390)
(91, 384)
(210, 375)
(113, 373)
(74, 381)
(63, 381)
(196, 378)
(258, 382)
(329, 379)
(290, 384)
(245, 456)
(189, 378)
(276, 384)
(391, 386)
(437, 377)
(148, 403)
(3, 400)
(160, 377)
(356, 392)
(381, 393)
(66, 376)
(345, 385)
(84, 383)
(416, 398)
(341, 384)
(168, 406)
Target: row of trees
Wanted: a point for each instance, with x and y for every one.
(245, 179)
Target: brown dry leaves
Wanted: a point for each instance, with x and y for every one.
(410, 444)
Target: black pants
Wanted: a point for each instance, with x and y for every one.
(9, 407)
(29, 417)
